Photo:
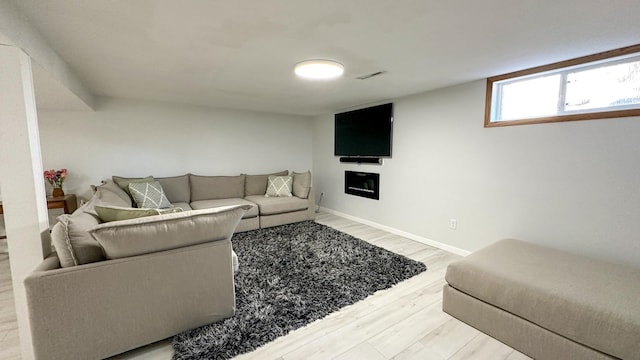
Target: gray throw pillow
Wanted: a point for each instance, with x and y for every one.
(149, 195)
(279, 186)
(257, 184)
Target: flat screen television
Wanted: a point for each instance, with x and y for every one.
(364, 132)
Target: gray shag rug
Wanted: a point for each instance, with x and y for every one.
(290, 276)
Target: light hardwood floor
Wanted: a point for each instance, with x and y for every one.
(404, 322)
(9, 342)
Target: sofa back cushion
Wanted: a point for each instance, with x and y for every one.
(123, 183)
(301, 184)
(169, 231)
(107, 194)
(216, 187)
(72, 241)
(110, 193)
(257, 184)
(176, 188)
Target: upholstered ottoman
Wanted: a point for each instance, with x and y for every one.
(547, 303)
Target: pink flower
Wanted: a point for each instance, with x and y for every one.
(55, 177)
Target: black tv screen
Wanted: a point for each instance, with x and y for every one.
(364, 132)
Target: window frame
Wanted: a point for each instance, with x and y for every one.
(544, 70)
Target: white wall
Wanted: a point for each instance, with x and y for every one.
(3, 242)
(136, 138)
(572, 185)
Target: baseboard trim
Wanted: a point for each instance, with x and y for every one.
(437, 244)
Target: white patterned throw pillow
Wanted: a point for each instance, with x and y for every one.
(279, 186)
(149, 195)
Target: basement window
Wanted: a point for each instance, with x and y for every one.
(604, 85)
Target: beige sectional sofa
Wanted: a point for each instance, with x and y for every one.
(151, 289)
(203, 192)
(113, 286)
(547, 303)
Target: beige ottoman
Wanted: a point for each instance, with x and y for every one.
(547, 303)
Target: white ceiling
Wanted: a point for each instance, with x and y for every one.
(240, 53)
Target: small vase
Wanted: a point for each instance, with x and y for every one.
(57, 192)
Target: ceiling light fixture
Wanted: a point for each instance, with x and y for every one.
(319, 69)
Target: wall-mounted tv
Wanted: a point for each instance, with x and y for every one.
(364, 132)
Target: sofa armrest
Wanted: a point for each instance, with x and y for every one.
(102, 309)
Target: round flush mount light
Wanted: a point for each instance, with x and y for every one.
(319, 69)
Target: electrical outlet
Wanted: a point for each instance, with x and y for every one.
(453, 224)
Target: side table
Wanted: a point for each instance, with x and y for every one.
(68, 203)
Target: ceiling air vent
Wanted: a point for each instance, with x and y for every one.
(369, 76)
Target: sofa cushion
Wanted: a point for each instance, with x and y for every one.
(279, 186)
(176, 188)
(216, 187)
(149, 195)
(591, 302)
(183, 205)
(124, 182)
(301, 184)
(257, 184)
(169, 231)
(110, 193)
(209, 204)
(73, 244)
(116, 213)
(278, 205)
